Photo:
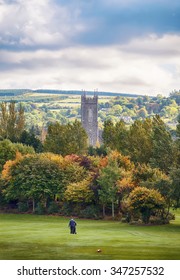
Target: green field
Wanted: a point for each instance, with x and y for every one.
(47, 238)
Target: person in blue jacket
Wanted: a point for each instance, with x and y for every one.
(72, 225)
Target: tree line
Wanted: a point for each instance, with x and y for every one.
(42, 109)
(133, 176)
(145, 141)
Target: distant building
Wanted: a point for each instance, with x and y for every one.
(89, 117)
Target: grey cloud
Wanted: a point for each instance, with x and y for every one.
(165, 47)
(37, 24)
(55, 24)
(134, 81)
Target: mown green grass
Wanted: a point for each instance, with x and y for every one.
(47, 238)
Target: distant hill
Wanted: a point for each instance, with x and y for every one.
(78, 92)
(15, 92)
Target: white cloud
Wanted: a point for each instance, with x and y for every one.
(132, 68)
(41, 22)
(146, 65)
(166, 46)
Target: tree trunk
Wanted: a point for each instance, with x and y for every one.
(45, 203)
(33, 205)
(113, 209)
(104, 210)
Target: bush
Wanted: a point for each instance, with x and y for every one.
(170, 216)
(90, 212)
(53, 208)
(66, 209)
(23, 207)
(161, 219)
(154, 220)
(40, 209)
(136, 223)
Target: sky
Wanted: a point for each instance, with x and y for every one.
(127, 46)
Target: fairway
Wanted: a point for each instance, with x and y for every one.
(31, 237)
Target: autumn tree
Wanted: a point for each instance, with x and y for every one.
(154, 178)
(145, 201)
(125, 185)
(79, 192)
(33, 178)
(73, 172)
(8, 151)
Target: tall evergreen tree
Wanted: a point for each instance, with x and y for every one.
(66, 139)
(140, 142)
(29, 138)
(12, 121)
(108, 134)
(162, 154)
(121, 137)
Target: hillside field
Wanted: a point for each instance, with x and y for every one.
(31, 237)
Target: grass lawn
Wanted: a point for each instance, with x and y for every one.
(31, 237)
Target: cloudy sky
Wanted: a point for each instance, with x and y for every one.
(130, 46)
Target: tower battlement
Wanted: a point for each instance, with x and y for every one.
(89, 117)
(89, 100)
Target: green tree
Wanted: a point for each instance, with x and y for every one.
(176, 96)
(12, 121)
(171, 111)
(73, 171)
(116, 110)
(107, 180)
(108, 134)
(175, 190)
(8, 151)
(142, 113)
(29, 138)
(162, 152)
(66, 139)
(177, 143)
(34, 177)
(121, 137)
(154, 178)
(139, 141)
(78, 137)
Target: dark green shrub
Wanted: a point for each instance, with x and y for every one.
(53, 208)
(40, 209)
(90, 212)
(66, 209)
(23, 207)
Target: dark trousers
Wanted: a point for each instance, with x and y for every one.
(73, 230)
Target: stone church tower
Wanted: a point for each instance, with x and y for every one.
(89, 117)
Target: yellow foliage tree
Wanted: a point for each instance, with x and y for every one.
(7, 166)
(79, 192)
(122, 161)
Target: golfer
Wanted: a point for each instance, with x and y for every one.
(72, 225)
